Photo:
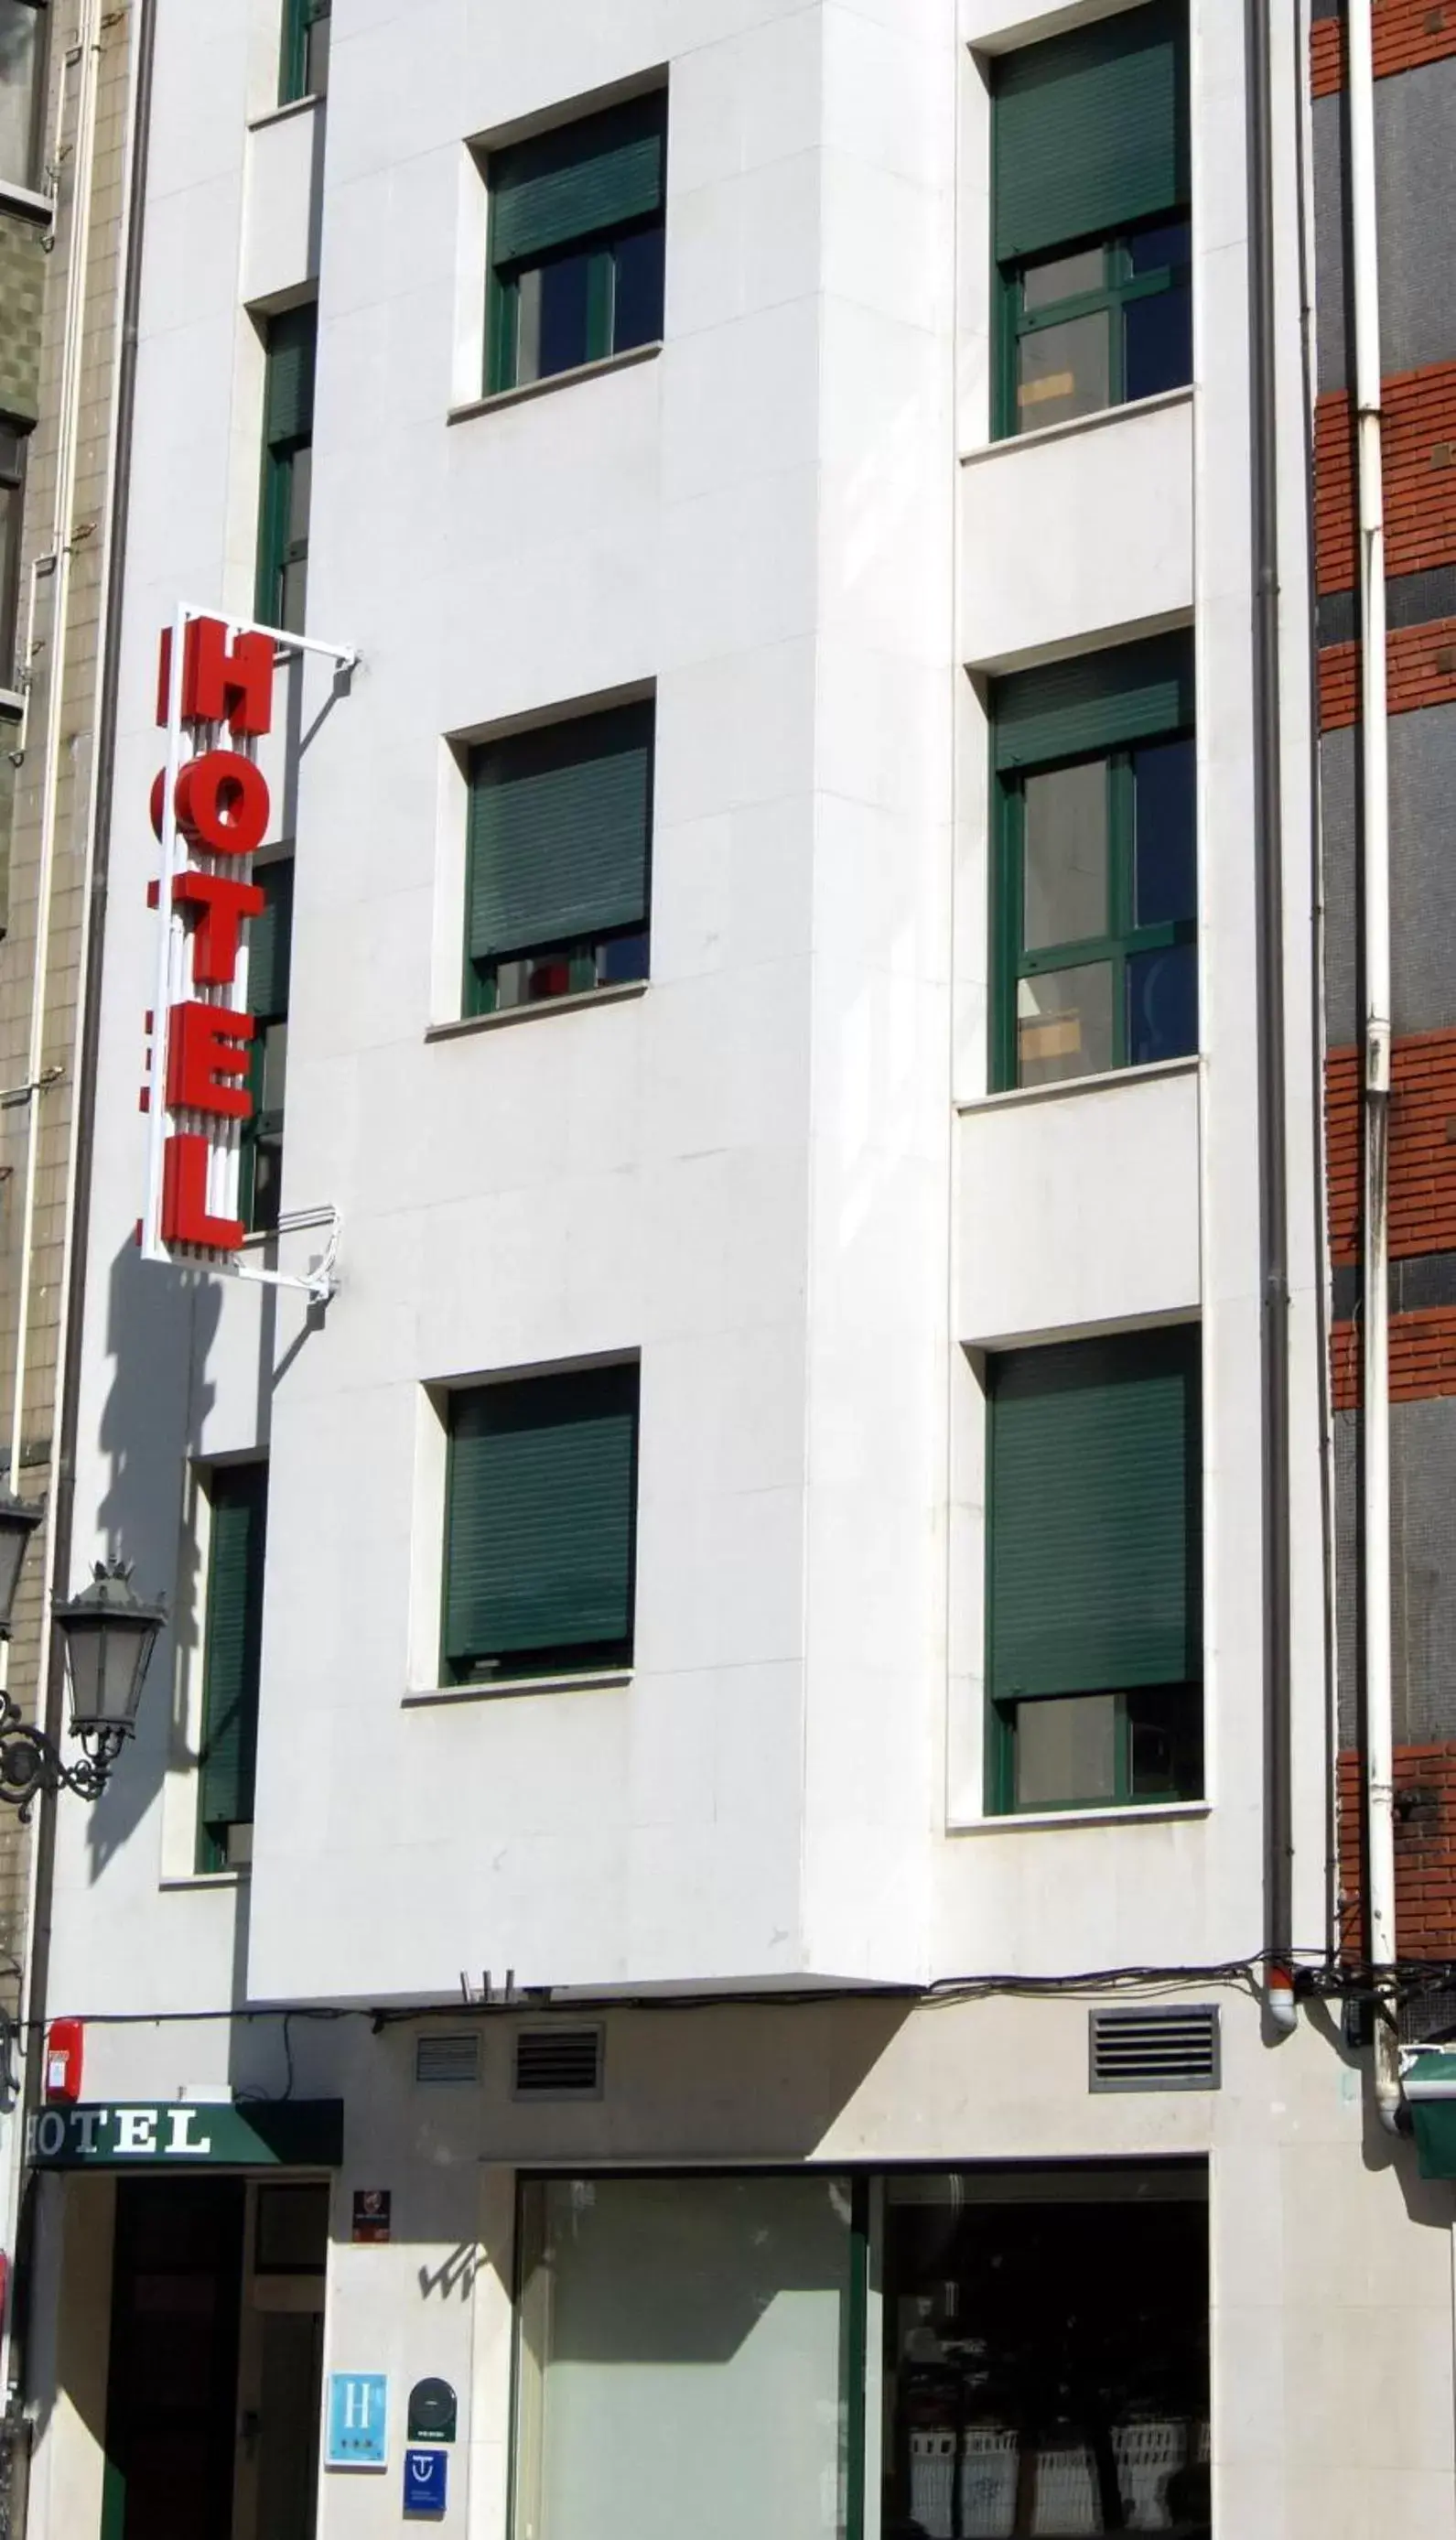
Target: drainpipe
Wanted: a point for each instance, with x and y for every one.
(1273, 1231)
(1375, 840)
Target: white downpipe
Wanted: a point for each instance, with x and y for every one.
(1375, 742)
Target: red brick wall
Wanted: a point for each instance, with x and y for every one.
(1422, 1147)
(1418, 442)
(1424, 1852)
(1423, 1357)
(1407, 33)
(1419, 670)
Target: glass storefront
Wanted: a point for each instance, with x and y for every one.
(959, 2355)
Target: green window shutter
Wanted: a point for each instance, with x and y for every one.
(270, 942)
(1097, 701)
(596, 175)
(1092, 130)
(560, 821)
(1095, 1527)
(235, 1626)
(541, 1515)
(287, 404)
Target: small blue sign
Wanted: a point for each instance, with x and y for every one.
(425, 2475)
(358, 2421)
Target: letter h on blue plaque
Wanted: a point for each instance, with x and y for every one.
(424, 2481)
(358, 2421)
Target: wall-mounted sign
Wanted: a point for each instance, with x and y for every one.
(432, 2412)
(356, 2425)
(372, 2205)
(181, 2134)
(425, 2475)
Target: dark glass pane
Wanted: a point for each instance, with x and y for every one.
(267, 1184)
(1162, 1005)
(1165, 855)
(622, 957)
(1165, 1742)
(300, 496)
(293, 595)
(553, 313)
(1158, 330)
(1067, 1751)
(637, 309)
(1154, 251)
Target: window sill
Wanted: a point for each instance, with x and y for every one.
(1077, 423)
(12, 703)
(25, 200)
(616, 994)
(1016, 1095)
(283, 114)
(1039, 1820)
(204, 1879)
(558, 380)
(598, 1680)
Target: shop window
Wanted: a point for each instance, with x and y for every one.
(22, 90)
(1046, 2352)
(306, 31)
(269, 960)
(576, 243)
(1092, 236)
(558, 845)
(540, 1525)
(238, 1495)
(1095, 1592)
(288, 469)
(684, 2358)
(1095, 880)
(12, 438)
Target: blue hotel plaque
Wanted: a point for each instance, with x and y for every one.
(425, 2475)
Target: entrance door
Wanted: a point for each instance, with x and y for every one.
(173, 2370)
(280, 2378)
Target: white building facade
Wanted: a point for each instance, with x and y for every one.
(694, 1676)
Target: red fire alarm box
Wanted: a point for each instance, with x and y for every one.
(64, 2044)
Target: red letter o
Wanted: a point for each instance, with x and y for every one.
(222, 803)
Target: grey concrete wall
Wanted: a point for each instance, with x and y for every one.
(1422, 811)
(1414, 119)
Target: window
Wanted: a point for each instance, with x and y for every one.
(1096, 882)
(305, 69)
(684, 2349)
(576, 244)
(288, 469)
(269, 954)
(21, 90)
(1094, 1543)
(540, 1525)
(12, 437)
(1046, 2351)
(560, 823)
(231, 1650)
(1092, 234)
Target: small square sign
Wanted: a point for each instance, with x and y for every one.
(371, 2221)
(358, 2424)
(425, 2475)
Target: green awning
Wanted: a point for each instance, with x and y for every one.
(1430, 2094)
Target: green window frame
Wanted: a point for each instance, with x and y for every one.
(540, 1527)
(558, 859)
(575, 247)
(1094, 1572)
(1103, 710)
(232, 1660)
(304, 66)
(1091, 192)
(290, 350)
(269, 968)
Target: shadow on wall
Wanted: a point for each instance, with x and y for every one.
(160, 1329)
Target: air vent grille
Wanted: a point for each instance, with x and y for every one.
(558, 2062)
(443, 2062)
(1154, 2050)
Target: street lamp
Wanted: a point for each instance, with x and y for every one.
(108, 1635)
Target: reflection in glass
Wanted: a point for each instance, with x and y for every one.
(1064, 1023)
(1162, 1005)
(1063, 371)
(1067, 1751)
(682, 2359)
(1062, 277)
(552, 316)
(1046, 2355)
(1165, 1741)
(637, 307)
(20, 55)
(1166, 847)
(1065, 861)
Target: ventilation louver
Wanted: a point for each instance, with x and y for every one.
(443, 2062)
(558, 2062)
(1175, 2049)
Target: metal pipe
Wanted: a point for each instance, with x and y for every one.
(1274, 1234)
(1375, 916)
